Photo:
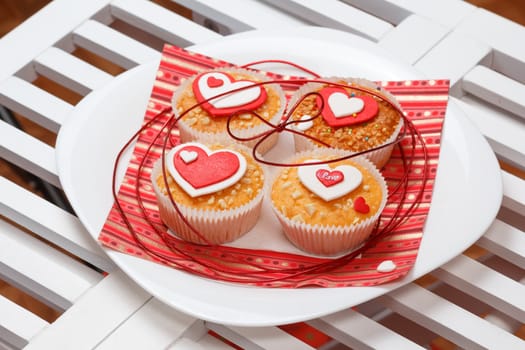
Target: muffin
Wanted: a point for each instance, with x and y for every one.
(355, 118)
(218, 190)
(208, 120)
(328, 208)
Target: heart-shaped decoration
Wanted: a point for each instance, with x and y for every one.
(198, 170)
(188, 156)
(346, 178)
(214, 82)
(340, 109)
(329, 178)
(386, 266)
(211, 84)
(344, 106)
(360, 205)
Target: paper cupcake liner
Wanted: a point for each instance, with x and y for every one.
(330, 239)
(187, 133)
(378, 156)
(217, 226)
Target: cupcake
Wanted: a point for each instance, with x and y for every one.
(328, 208)
(355, 118)
(207, 121)
(217, 189)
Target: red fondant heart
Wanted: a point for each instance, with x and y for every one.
(206, 169)
(360, 205)
(211, 84)
(214, 82)
(368, 112)
(329, 178)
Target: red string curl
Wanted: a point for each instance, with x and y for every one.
(265, 274)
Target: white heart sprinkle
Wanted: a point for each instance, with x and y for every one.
(304, 125)
(188, 156)
(343, 106)
(386, 266)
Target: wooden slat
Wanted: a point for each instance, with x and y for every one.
(112, 45)
(70, 71)
(460, 53)
(358, 331)
(337, 15)
(94, 316)
(51, 223)
(506, 241)
(485, 284)
(502, 238)
(153, 326)
(160, 22)
(496, 89)
(40, 270)
(503, 321)
(43, 30)
(28, 153)
(258, 337)
(34, 103)
(503, 131)
(208, 341)
(17, 325)
(502, 35)
(448, 320)
(445, 12)
(513, 192)
(413, 38)
(386, 10)
(241, 15)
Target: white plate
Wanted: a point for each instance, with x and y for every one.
(464, 203)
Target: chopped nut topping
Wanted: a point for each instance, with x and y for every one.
(298, 217)
(296, 194)
(222, 203)
(245, 116)
(310, 208)
(191, 121)
(285, 185)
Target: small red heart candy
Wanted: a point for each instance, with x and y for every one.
(214, 82)
(360, 205)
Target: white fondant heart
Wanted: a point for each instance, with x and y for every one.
(235, 99)
(386, 266)
(212, 188)
(188, 156)
(343, 106)
(352, 178)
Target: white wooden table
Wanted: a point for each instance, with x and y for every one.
(474, 302)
